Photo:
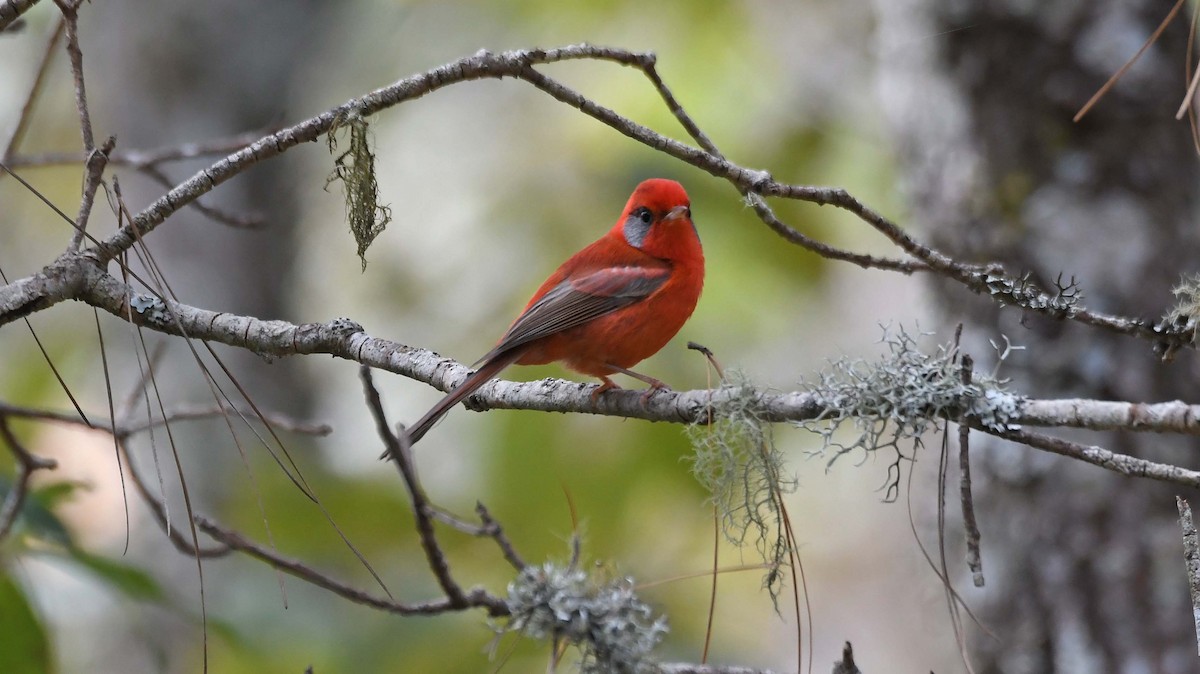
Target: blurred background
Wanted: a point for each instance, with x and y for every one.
(949, 118)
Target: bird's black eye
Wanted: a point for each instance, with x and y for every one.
(645, 215)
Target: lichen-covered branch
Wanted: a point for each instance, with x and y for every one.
(346, 339)
(1191, 558)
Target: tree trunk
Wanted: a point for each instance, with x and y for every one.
(1084, 568)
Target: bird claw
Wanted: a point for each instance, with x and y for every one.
(606, 386)
(651, 390)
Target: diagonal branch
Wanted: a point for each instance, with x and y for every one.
(11, 11)
(27, 464)
(1098, 456)
(991, 279)
(400, 451)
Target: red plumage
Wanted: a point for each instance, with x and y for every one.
(611, 305)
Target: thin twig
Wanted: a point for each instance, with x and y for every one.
(1128, 64)
(492, 528)
(27, 464)
(1191, 557)
(146, 158)
(112, 414)
(97, 161)
(943, 570)
(974, 557)
(70, 11)
(912, 527)
(201, 412)
(981, 279)
(475, 598)
(158, 508)
(235, 220)
(400, 452)
(1098, 456)
(52, 416)
(231, 540)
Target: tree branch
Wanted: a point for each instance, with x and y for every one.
(989, 279)
(400, 451)
(26, 465)
(141, 159)
(346, 339)
(11, 11)
(1191, 558)
(1098, 456)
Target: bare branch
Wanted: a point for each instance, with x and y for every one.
(11, 11)
(483, 65)
(198, 412)
(1191, 557)
(70, 11)
(990, 279)
(70, 419)
(26, 465)
(474, 598)
(140, 159)
(345, 339)
(974, 557)
(96, 163)
(400, 451)
(1098, 456)
(492, 528)
(235, 220)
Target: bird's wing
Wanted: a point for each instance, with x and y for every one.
(575, 301)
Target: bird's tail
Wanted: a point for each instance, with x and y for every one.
(471, 384)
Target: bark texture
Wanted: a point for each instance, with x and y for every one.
(1082, 566)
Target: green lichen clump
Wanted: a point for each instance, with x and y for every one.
(355, 168)
(736, 460)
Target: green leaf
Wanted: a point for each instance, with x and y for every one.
(55, 493)
(131, 581)
(24, 648)
(36, 519)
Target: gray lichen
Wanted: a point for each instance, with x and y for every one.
(614, 630)
(736, 460)
(903, 396)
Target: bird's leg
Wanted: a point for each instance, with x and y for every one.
(608, 385)
(655, 384)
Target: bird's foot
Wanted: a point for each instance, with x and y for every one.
(655, 387)
(608, 385)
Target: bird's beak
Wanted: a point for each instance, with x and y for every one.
(677, 213)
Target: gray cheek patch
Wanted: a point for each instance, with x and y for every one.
(635, 230)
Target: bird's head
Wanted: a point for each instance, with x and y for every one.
(658, 220)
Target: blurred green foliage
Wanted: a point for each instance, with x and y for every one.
(541, 183)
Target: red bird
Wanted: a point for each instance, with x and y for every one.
(610, 306)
